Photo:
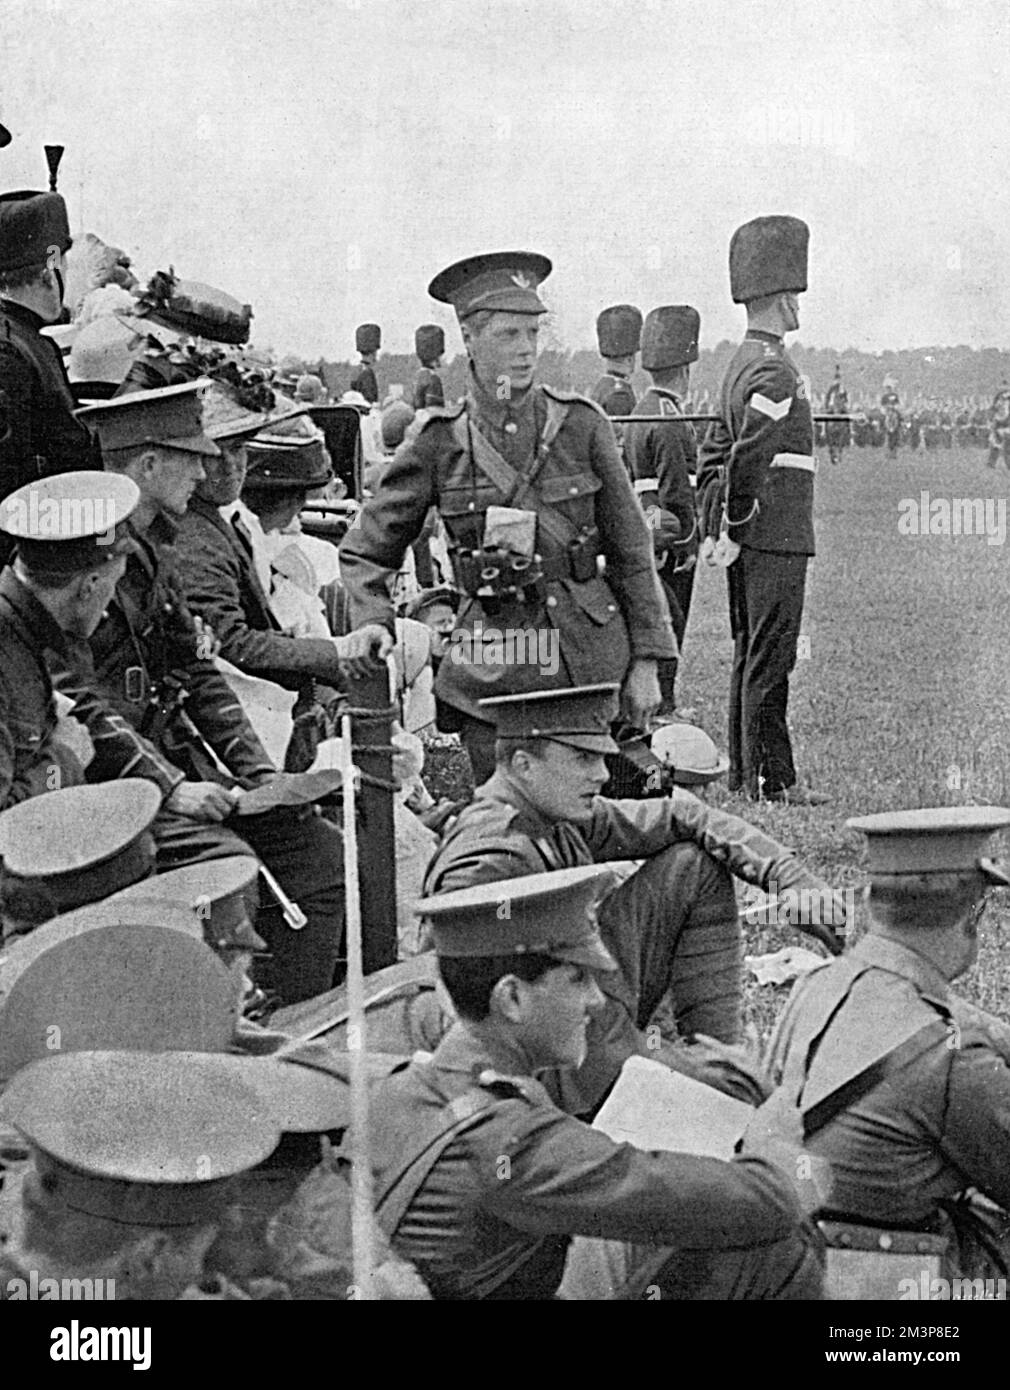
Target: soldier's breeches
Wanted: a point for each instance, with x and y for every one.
(766, 593)
(673, 927)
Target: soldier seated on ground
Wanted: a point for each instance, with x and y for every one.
(900, 1085)
(672, 921)
(481, 1180)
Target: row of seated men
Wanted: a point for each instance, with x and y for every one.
(488, 1180)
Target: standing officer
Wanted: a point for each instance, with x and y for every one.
(902, 1086)
(38, 432)
(534, 495)
(481, 1181)
(663, 462)
(367, 341)
(756, 484)
(429, 344)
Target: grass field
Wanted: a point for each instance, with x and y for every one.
(903, 699)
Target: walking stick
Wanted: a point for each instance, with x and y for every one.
(361, 1172)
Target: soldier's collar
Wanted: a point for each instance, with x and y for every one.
(36, 614)
(498, 411)
(902, 960)
(665, 391)
(22, 312)
(761, 335)
(463, 1051)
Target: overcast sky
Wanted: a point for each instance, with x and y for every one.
(323, 159)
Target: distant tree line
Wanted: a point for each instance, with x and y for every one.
(948, 373)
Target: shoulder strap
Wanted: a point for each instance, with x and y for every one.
(878, 1071)
(853, 1088)
(402, 1187)
(519, 489)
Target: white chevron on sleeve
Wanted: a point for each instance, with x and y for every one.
(775, 410)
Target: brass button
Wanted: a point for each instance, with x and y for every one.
(511, 427)
(573, 491)
(471, 506)
(551, 601)
(611, 607)
(886, 1242)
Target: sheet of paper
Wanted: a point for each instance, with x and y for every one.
(655, 1108)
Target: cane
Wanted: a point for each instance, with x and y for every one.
(361, 1172)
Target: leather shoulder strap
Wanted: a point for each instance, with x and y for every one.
(403, 1185)
(878, 1071)
(518, 488)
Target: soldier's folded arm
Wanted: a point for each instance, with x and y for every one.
(374, 548)
(119, 750)
(563, 1177)
(764, 432)
(212, 591)
(627, 544)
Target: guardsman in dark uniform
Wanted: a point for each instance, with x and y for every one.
(901, 1085)
(663, 462)
(367, 341)
(533, 494)
(153, 662)
(756, 487)
(619, 335)
(672, 925)
(836, 402)
(481, 1181)
(890, 403)
(429, 344)
(38, 432)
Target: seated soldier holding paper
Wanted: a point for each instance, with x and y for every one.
(481, 1181)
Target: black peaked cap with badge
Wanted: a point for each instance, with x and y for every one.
(505, 281)
(551, 914)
